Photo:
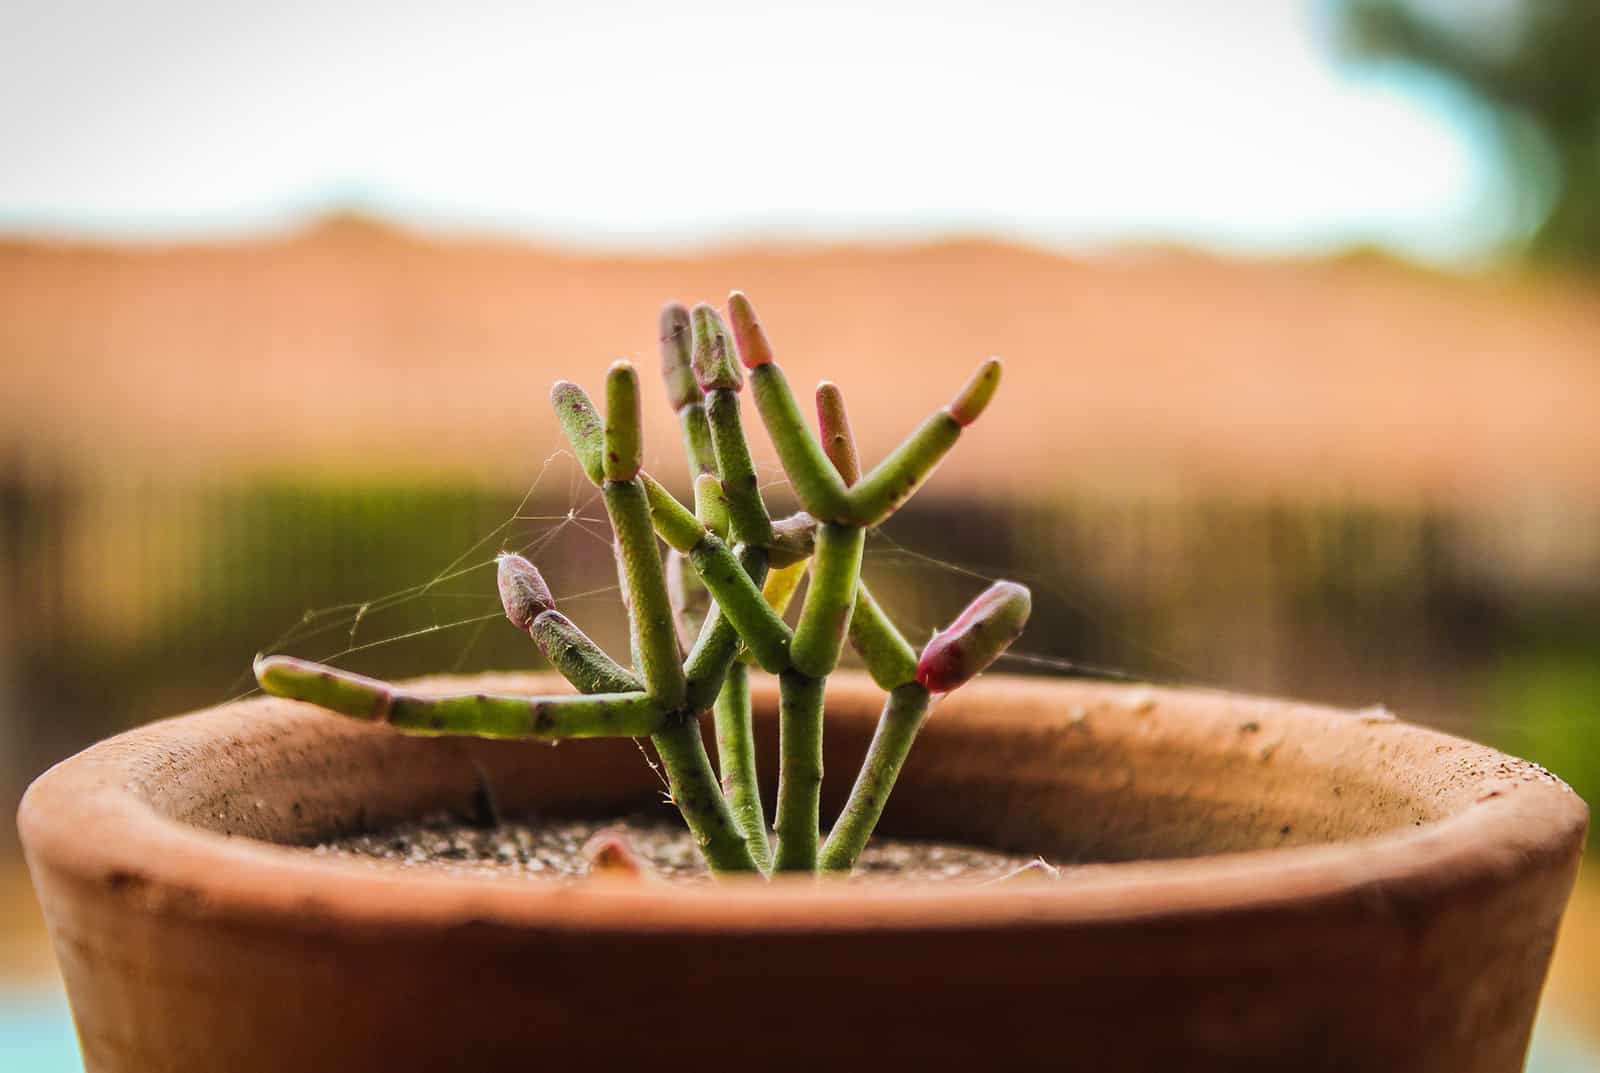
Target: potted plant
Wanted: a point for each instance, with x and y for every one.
(1254, 884)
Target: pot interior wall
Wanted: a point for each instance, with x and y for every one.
(1074, 772)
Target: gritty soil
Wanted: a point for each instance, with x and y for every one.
(552, 851)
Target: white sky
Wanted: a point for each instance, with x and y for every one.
(606, 123)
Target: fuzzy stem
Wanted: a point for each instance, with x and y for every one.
(676, 524)
(826, 612)
(736, 754)
(816, 483)
(691, 600)
(624, 445)
(718, 643)
(881, 492)
(731, 586)
(697, 439)
(583, 427)
(903, 715)
(890, 659)
(712, 356)
(693, 785)
(655, 641)
(683, 393)
(738, 598)
(977, 393)
(748, 520)
(711, 504)
(485, 715)
(891, 482)
(580, 661)
(800, 772)
(677, 354)
(778, 590)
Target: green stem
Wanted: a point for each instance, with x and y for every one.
(714, 650)
(691, 600)
(748, 520)
(736, 754)
(826, 612)
(711, 504)
(881, 492)
(712, 354)
(736, 594)
(891, 482)
(655, 641)
(697, 439)
(890, 659)
(683, 393)
(580, 661)
(675, 522)
(800, 772)
(583, 427)
(694, 789)
(485, 715)
(623, 437)
(816, 483)
(903, 715)
(778, 590)
(738, 598)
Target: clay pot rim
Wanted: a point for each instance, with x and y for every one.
(1520, 810)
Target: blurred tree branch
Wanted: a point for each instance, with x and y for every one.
(1535, 65)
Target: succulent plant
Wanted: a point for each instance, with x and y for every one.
(701, 616)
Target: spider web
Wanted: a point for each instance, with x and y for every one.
(332, 634)
(463, 602)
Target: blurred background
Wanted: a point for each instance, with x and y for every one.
(1300, 304)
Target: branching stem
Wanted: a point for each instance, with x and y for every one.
(484, 715)
(903, 715)
(800, 773)
(736, 754)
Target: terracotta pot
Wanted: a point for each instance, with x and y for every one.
(1303, 888)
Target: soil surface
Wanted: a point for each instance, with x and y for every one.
(552, 851)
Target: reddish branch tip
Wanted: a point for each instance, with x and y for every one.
(609, 854)
(754, 350)
(833, 429)
(266, 667)
(714, 367)
(975, 396)
(976, 638)
(677, 346)
(523, 593)
(675, 324)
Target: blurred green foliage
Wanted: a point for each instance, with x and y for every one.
(1534, 66)
(1545, 696)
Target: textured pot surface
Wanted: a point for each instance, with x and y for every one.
(1298, 888)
